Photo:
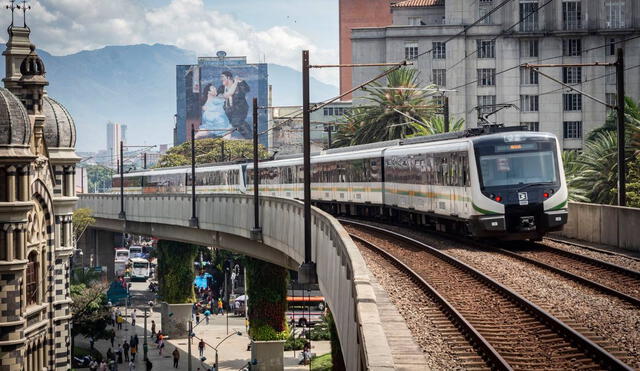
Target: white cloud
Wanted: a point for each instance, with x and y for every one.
(68, 26)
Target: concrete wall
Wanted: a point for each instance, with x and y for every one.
(603, 224)
(226, 222)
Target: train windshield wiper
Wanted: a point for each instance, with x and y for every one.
(532, 184)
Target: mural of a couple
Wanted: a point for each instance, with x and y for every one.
(225, 108)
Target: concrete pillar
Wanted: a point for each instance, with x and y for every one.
(11, 184)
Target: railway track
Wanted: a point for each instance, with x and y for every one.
(508, 331)
(608, 278)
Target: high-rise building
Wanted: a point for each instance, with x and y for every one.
(115, 133)
(482, 64)
(355, 14)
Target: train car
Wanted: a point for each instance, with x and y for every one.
(507, 184)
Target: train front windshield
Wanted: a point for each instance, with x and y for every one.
(504, 164)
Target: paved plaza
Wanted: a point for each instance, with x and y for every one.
(233, 354)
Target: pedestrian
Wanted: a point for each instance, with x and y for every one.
(206, 316)
(119, 320)
(161, 344)
(133, 318)
(220, 311)
(112, 337)
(134, 350)
(125, 348)
(113, 318)
(103, 366)
(109, 354)
(92, 342)
(132, 366)
(197, 317)
(148, 364)
(201, 347)
(153, 328)
(176, 357)
(93, 366)
(119, 351)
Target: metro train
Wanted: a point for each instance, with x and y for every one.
(501, 183)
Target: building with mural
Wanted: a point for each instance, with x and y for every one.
(214, 97)
(37, 197)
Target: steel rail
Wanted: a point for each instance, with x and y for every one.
(588, 247)
(593, 350)
(488, 353)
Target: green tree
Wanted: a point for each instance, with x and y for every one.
(99, 178)
(82, 219)
(391, 113)
(176, 271)
(209, 150)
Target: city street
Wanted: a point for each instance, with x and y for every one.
(233, 354)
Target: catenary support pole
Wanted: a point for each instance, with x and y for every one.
(144, 160)
(307, 270)
(622, 194)
(193, 222)
(256, 178)
(446, 114)
(121, 163)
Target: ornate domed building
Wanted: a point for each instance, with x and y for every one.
(37, 198)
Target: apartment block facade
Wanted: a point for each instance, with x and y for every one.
(481, 67)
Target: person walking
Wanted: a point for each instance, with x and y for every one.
(153, 328)
(206, 316)
(220, 311)
(176, 357)
(112, 337)
(113, 318)
(119, 352)
(134, 350)
(119, 320)
(103, 366)
(160, 344)
(125, 348)
(132, 366)
(133, 318)
(92, 343)
(201, 347)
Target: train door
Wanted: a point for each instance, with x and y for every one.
(454, 185)
(429, 181)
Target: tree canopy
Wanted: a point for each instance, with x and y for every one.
(389, 113)
(209, 150)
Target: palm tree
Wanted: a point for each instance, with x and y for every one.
(436, 126)
(392, 113)
(597, 176)
(572, 169)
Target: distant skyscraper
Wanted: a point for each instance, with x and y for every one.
(115, 133)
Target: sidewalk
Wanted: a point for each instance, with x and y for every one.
(233, 354)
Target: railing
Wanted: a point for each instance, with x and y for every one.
(342, 273)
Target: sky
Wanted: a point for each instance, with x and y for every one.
(274, 31)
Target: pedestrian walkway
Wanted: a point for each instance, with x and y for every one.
(233, 354)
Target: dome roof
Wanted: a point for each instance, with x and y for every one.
(59, 128)
(15, 127)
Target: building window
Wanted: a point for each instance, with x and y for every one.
(611, 99)
(528, 76)
(529, 103)
(611, 46)
(328, 111)
(572, 15)
(439, 50)
(32, 279)
(410, 50)
(486, 76)
(438, 100)
(572, 75)
(486, 103)
(614, 10)
(531, 125)
(528, 15)
(529, 48)
(486, 48)
(484, 7)
(572, 102)
(440, 77)
(571, 47)
(415, 21)
(572, 129)
(610, 75)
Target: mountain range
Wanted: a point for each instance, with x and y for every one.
(136, 85)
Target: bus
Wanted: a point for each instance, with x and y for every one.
(120, 262)
(305, 310)
(135, 251)
(140, 269)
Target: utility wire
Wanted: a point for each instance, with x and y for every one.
(466, 28)
(503, 33)
(546, 59)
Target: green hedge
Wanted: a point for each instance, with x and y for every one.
(176, 272)
(267, 290)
